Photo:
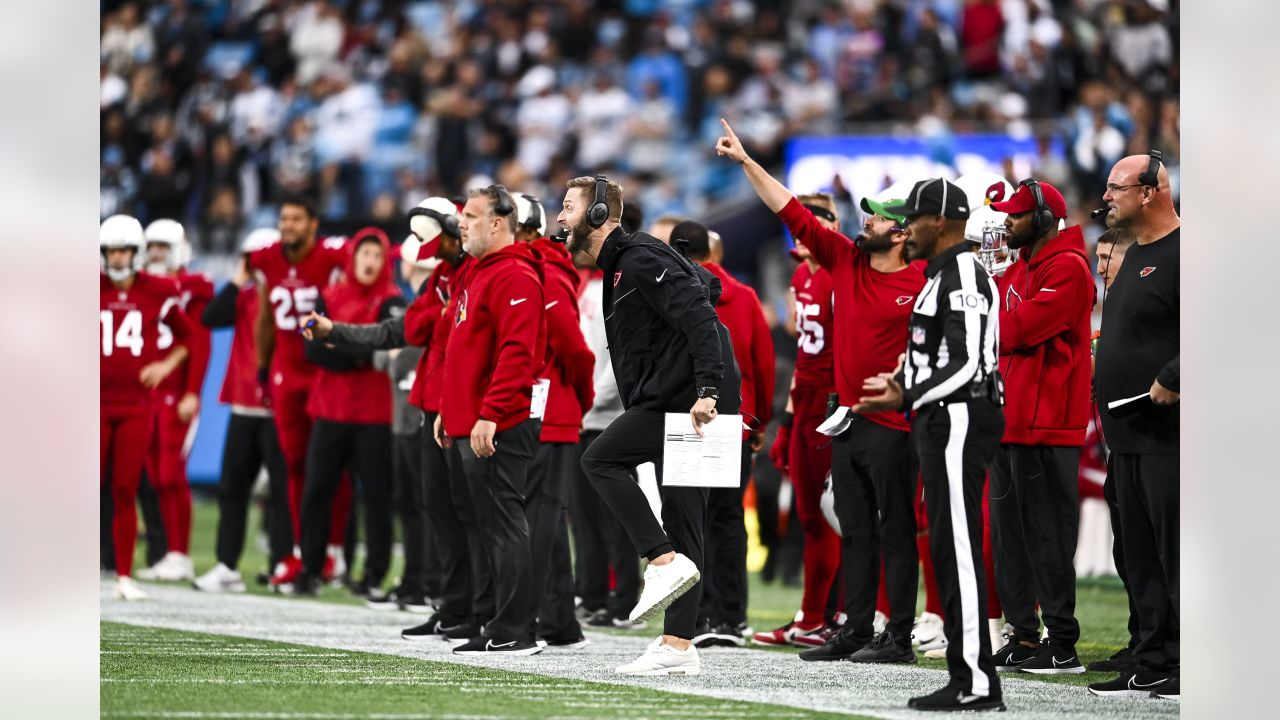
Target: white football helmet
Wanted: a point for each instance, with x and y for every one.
(985, 226)
(530, 213)
(259, 239)
(121, 231)
(170, 234)
(410, 252)
(432, 216)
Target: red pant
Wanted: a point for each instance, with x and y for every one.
(166, 465)
(122, 452)
(810, 461)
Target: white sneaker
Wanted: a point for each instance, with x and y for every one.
(879, 622)
(175, 566)
(127, 589)
(149, 574)
(221, 579)
(663, 585)
(938, 643)
(662, 659)
(997, 629)
(928, 627)
(938, 653)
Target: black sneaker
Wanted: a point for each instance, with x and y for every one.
(1140, 683)
(1013, 655)
(488, 646)
(953, 698)
(1053, 659)
(571, 644)
(841, 646)
(599, 618)
(1122, 661)
(413, 603)
(461, 631)
(730, 635)
(305, 586)
(433, 629)
(375, 599)
(704, 636)
(1169, 690)
(886, 647)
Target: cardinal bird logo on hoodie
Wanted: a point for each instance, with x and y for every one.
(460, 316)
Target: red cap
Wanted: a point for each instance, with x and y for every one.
(1022, 201)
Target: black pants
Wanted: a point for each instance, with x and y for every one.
(633, 439)
(1117, 548)
(547, 512)
(873, 475)
(498, 486)
(1035, 522)
(466, 585)
(365, 450)
(409, 497)
(1147, 490)
(600, 543)
(251, 444)
(955, 443)
(724, 580)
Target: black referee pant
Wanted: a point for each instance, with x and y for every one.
(498, 486)
(600, 543)
(465, 581)
(1035, 522)
(955, 443)
(1147, 490)
(546, 510)
(873, 475)
(251, 444)
(635, 438)
(1117, 548)
(724, 580)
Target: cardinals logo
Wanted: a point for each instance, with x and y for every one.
(617, 278)
(904, 299)
(1147, 271)
(994, 194)
(460, 316)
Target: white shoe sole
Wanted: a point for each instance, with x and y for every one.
(570, 647)
(381, 607)
(421, 638)
(1053, 671)
(502, 653)
(652, 613)
(677, 670)
(216, 589)
(937, 644)
(937, 654)
(1121, 693)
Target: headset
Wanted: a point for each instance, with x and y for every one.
(598, 213)
(1042, 218)
(535, 212)
(1151, 177)
(448, 223)
(505, 206)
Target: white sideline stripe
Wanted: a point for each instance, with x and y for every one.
(728, 674)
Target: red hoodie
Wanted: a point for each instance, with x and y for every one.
(497, 345)
(569, 362)
(1045, 306)
(449, 285)
(360, 395)
(739, 309)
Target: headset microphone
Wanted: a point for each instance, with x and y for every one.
(562, 236)
(1095, 214)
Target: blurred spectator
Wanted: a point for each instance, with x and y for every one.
(255, 103)
(117, 187)
(114, 88)
(651, 126)
(602, 124)
(811, 103)
(221, 223)
(980, 33)
(542, 119)
(126, 41)
(316, 39)
(1142, 45)
(164, 189)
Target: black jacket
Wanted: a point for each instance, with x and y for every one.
(665, 339)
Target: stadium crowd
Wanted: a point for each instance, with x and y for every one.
(494, 414)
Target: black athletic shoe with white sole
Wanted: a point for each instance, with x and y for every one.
(489, 646)
(886, 647)
(841, 646)
(1013, 655)
(1053, 659)
(561, 644)
(1122, 661)
(462, 631)
(1132, 684)
(953, 698)
(1169, 691)
(433, 629)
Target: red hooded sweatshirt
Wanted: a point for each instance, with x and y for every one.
(569, 362)
(1045, 306)
(449, 285)
(361, 394)
(497, 345)
(739, 309)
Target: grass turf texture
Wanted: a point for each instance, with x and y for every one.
(151, 672)
(1101, 606)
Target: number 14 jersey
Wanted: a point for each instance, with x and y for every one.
(292, 290)
(815, 328)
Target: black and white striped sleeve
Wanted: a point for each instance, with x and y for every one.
(966, 351)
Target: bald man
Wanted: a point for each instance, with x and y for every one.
(1138, 356)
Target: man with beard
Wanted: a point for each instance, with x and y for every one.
(1046, 299)
(948, 382)
(873, 470)
(670, 354)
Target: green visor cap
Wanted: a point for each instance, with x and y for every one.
(872, 207)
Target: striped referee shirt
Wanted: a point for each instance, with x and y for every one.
(952, 353)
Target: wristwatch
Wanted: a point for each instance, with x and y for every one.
(709, 391)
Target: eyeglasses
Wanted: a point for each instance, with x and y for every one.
(1113, 188)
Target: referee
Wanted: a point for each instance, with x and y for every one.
(670, 354)
(950, 383)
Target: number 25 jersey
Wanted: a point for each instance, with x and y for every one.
(292, 290)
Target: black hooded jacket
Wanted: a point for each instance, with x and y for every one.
(665, 339)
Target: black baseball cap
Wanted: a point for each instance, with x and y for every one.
(934, 197)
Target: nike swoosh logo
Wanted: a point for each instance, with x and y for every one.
(551, 304)
(1047, 290)
(1140, 686)
(517, 302)
(664, 274)
(1064, 662)
(491, 646)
